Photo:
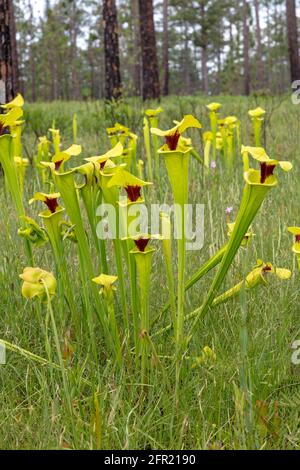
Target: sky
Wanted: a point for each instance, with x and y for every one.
(38, 6)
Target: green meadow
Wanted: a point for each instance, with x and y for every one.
(62, 387)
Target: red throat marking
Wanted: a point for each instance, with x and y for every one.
(141, 244)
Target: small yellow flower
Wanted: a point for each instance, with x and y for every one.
(231, 122)
(38, 283)
(21, 162)
(151, 113)
(118, 129)
(257, 113)
(107, 285)
(208, 356)
(214, 107)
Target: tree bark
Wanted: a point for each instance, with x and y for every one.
(260, 64)
(113, 84)
(32, 56)
(165, 85)
(8, 52)
(151, 86)
(205, 86)
(136, 47)
(75, 90)
(204, 69)
(293, 39)
(247, 78)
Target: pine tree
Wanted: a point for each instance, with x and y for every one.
(293, 39)
(8, 52)
(151, 86)
(113, 89)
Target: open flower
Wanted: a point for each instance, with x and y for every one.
(17, 102)
(38, 283)
(49, 199)
(267, 165)
(102, 160)
(10, 118)
(173, 135)
(132, 185)
(107, 285)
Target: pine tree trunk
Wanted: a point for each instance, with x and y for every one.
(260, 64)
(8, 52)
(136, 47)
(151, 86)
(205, 87)
(247, 78)
(293, 39)
(75, 90)
(204, 69)
(32, 58)
(113, 85)
(165, 85)
(186, 61)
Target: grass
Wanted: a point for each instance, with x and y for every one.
(250, 335)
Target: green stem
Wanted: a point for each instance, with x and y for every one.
(252, 199)
(207, 267)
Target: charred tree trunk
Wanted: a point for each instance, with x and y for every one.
(247, 79)
(8, 52)
(165, 84)
(293, 39)
(113, 85)
(151, 86)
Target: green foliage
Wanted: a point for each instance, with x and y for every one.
(243, 394)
